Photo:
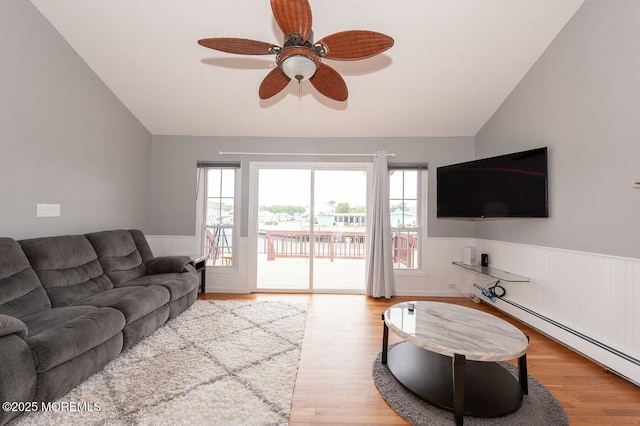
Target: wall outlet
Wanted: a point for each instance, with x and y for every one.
(47, 210)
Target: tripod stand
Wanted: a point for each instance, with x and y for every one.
(222, 249)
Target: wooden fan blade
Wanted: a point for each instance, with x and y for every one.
(273, 83)
(241, 46)
(355, 44)
(293, 17)
(328, 82)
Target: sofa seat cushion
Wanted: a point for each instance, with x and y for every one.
(178, 284)
(133, 302)
(61, 334)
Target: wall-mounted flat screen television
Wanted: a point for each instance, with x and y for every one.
(511, 185)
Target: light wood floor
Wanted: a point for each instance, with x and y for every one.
(343, 335)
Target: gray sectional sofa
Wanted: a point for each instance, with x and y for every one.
(70, 304)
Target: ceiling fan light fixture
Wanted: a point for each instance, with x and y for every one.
(299, 67)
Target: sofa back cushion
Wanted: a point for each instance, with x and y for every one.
(142, 245)
(21, 293)
(118, 254)
(67, 266)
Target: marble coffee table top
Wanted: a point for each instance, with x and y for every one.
(450, 329)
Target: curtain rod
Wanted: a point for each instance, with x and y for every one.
(300, 154)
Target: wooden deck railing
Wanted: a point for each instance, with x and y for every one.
(327, 244)
(404, 249)
(334, 244)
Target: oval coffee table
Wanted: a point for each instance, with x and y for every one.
(449, 357)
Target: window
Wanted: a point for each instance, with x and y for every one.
(218, 213)
(406, 215)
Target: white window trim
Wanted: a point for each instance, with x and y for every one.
(200, 215)
(423, 197)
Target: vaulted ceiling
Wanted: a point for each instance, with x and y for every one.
(453, 63)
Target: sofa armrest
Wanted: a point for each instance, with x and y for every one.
(167, 264)
(11, 325)
(17, 367)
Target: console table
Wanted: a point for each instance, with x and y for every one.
(448, 357)
(498, 275)
(200, 263)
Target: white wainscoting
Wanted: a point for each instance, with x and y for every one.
(439, 278)
(588, 301)
(219, 279)
(172, 245)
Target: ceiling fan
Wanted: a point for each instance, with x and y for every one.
(299, 57)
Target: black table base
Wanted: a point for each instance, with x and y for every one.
(489, 390)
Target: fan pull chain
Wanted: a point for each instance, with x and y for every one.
(299, 89)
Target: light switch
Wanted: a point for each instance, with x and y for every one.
(47, 210)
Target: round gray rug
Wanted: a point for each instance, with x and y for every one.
(538, 408)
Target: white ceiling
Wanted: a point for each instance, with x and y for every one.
(452, 65)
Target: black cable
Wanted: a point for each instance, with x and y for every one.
(500, 293)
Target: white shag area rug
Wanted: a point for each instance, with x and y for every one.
(222, 362)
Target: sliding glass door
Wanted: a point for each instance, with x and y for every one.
(309, 226)
(340, 209)
(284, 229)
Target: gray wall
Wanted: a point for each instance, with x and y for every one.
(582, 100)
(64, 137)
(173, 171)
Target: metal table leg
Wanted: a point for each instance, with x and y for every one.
(522, 372)
(385, 341)
(458, 388)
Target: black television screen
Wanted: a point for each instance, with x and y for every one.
(512, 185)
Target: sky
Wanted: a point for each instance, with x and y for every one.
(292, 187)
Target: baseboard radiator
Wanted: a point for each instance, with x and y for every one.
(627, 362)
